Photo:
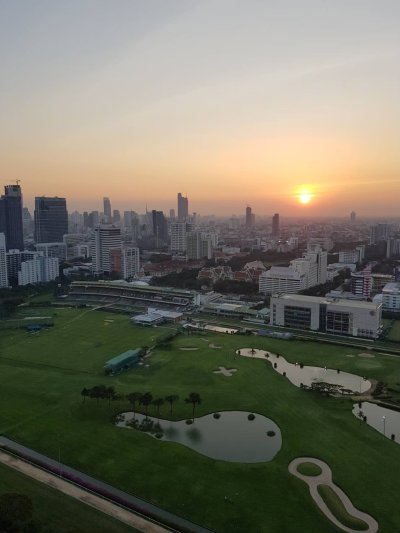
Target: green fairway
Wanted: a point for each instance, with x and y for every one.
(42, 376)
(56, 511)
(338, 510)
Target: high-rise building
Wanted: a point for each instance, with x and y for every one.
(199, 245)
(275, 226)
(379, 232)
(130, 262)
(11, 217)
(160, 227)
(319, 257)
(107, 210)
(3, 262)
(116, 216)
(353, 217)
(249, 217)
(172, 214)
(179, 231)
(38, 270)
(51, 219)
(361, 283)
(104, 239)
(183, 207)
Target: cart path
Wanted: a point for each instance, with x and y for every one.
(325, 478)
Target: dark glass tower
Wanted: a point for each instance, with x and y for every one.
(160, 227)
(11, 217)
(51, 219)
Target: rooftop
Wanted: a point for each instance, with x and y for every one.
(392, 287)
(324, 300)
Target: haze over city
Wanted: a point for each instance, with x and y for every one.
(231, 102)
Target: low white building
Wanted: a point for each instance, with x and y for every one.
(333, 316)
(38, 270)
(282, 279)
(391, 297)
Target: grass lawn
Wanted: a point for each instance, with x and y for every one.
(309, 469)
(338, 510)
(42, 376)
(58, 512)
(394, 333)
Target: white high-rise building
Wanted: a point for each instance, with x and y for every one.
(38, 270)
(391, 297)
(319, 257)
(3, 262)
(104, 239)
(179, 231)
(199, 245)
(130, 262)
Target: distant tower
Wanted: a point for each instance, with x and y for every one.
(116, 216)
(275, 226)
(11, 223)
(107, 209)
(183, 207)
(249, 217)
(51, 219)
(172, 214)
(160, 228)
(353, 217)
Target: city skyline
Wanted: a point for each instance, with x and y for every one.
(233, 103)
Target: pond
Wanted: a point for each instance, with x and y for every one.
(309, 374)
(232, 437)
(384, 420)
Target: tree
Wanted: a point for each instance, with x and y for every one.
(16, 512)
(85, 393)
(146, 400)
(193, 398)
(171, 399)
(158, 402)
(110, 393)
(133, 399)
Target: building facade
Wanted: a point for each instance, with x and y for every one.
(11, 223)
(51, 219)
(104, 239)
(3, 262)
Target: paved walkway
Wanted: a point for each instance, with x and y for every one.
(101, 489)
(105, 506)
(325, 478)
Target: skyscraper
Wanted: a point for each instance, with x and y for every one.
(116, 216)
(352, 217)
(11, 217)
(104, 239)
(183, 207)
(107, 210)
(160, 227)
(3, 262)
(179, 231)
(275, 226)
(51, 219)
(249, 218)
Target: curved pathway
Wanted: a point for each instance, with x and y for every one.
(325, 478)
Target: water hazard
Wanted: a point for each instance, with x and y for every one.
(231, 437)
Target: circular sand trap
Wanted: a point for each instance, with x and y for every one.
(189, 349)
(366, 355)
(215, 346)
(350, 355)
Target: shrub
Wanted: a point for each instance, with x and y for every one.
(271, 433)
(189, 421)
(217, 415)
(251, 416)
(159, 435)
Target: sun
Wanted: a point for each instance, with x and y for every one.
(305, 194)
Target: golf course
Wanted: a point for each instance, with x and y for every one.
(43, 374)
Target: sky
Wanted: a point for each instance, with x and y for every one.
(232, 102)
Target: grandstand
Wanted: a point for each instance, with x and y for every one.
(127, 297)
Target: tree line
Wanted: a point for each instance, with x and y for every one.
(139, 399)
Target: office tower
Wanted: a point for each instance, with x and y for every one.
(319, 257)
(160, 227)
(199, 245)
(130, 262)
(11, 217)
(51, 219)
(275, 226)
(361, 283)
(53, 249)
(104, 239)
(85, 220)
(183, 207)
(172, 214)
(116, 216)
(353, 217)
(178, 236)
(249, 218)
(107, 210)
(3, 262)
(379, 232)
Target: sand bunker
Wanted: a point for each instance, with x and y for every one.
(215, 346)
(189, 349)
(366, 355)
(228, 372)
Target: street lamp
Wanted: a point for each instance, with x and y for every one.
(361, 380)
(384, 425)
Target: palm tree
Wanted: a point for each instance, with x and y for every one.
(146, 400)
(193, 398)
(85, 393)
(134, 398)
(171, 399)
(110, 394)
(158, 402)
